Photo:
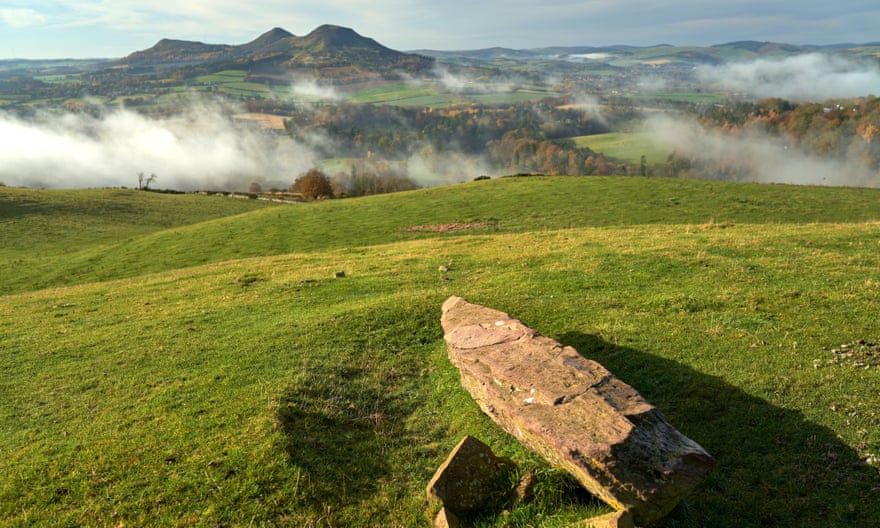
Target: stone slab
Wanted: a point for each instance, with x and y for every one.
(573, 412)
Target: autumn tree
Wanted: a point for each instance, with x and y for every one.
(313, 185)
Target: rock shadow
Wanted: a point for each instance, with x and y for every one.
(774, 467)
(339, 426)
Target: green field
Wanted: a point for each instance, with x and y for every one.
(399, 93)
(167, 369)
(58, 79)
(231, 82)
(681, 97)
(627, 146)
(225, 76)
(432, 94)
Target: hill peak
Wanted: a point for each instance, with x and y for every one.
(267, 42)
(276, 33)
(340, 37)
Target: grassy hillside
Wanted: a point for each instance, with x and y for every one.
(231, 380)
(54, 244)
(42, 230)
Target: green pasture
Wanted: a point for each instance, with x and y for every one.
(46, 228)
(230, 82)
(627, 146)
(516, 96)
(58, 79)
(397, 93)
(245, 88)
(221, 77)
(433, 94)
(681, 97)
(524, 205)
(167, 369)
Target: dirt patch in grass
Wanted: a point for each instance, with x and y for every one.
(443, 228)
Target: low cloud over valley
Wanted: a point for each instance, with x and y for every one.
(201, 148)
(808, 77)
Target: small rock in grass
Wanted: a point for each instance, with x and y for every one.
(469, 478)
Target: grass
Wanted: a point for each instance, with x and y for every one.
(523, 205)
(627, 146)
(430, 94)
(225, 76)
(398, 93)
(682, 97)
(260, 390)
(42, 230)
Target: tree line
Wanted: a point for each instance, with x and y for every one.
(521, 137)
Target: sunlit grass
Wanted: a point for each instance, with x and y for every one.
(266, 391)
(626, 146)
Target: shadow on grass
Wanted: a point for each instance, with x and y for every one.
(774, 468)
(22, 208)
(340, 429)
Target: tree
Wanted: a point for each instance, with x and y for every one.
(145, 181)
(313, 185)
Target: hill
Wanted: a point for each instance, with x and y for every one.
(278, 52)
(548, 203)
(217, 373)
(665, 55)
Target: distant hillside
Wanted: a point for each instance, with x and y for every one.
(333, 52)
(627, 56)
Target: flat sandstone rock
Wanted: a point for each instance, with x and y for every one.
(468, 479)
(573, 412)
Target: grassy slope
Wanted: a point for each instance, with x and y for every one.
(43, 230)
(262, 391)
(516, 204)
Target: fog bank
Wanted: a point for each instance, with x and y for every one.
(201, 148)
(765, 159)
(809, 77)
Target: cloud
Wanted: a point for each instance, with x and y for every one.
(766, 159)
(459, 83)
(429, 169)
(312, 91)
(808, 77)
(21, 17)
(201, 148)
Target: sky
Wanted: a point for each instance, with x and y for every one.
(54, 29)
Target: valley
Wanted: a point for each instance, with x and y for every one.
(222, 267)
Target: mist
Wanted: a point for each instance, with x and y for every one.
(810, 77)
(429, 170)
(310, 90)
(460, 83)
(766, 159)
(200, 148)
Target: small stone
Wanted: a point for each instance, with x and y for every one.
(469, 478)
(525, 490)
(618, 519)
(443, 269)
(446, 519)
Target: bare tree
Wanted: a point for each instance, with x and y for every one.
(145, 181)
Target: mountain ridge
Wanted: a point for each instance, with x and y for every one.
(278, 52)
